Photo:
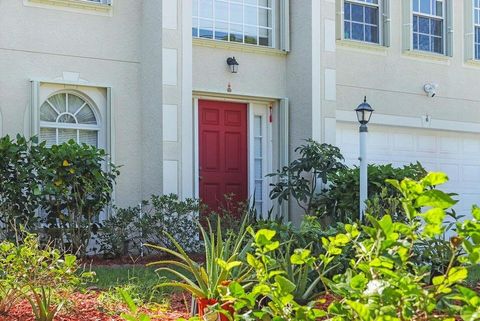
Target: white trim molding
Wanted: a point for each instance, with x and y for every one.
(80, 6)
(187, 113)
(412, 122)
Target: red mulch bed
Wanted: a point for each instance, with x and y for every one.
(85, 307)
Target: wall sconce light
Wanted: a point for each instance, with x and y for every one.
(232, 64)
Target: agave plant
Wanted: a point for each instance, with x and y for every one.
(221, 265)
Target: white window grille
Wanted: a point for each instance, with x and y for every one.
(242, 21)
(429, 25)
(259, 159)
(362, 20)
(65, 116)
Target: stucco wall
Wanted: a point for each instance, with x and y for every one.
(260, 73)
(393, 80)
(45, 42)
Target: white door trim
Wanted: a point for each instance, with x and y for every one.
(267, 144)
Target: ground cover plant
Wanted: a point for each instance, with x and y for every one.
(38, 274)
(382, 279)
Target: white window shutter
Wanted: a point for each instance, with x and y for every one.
(339, 8)
(285, 25)
(386, 23)
(469, 30)
(449, 22)
(284, 145)
(34, 109)
(407, 22)
(284, 132)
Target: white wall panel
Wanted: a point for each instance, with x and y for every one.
(330, 38)
(170, 66)
(170, 123)
(169, 14)
(170, 177)
(330, 84)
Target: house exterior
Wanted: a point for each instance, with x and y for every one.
(149, 82)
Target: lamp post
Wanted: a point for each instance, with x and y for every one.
(364, 112)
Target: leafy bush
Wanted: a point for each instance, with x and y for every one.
(340, 200)
(19, 191)
(130, 228)
(383, 280)
(301, 179)
(75, 189)
(70, 183)
(272, 295)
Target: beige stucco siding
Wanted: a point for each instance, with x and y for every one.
(42, 43)
(260, 74)
(394, 80)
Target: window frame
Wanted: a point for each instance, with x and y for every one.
(273, 29)
(381, 24)
(443, 19)
(476, 24)
(78, 127)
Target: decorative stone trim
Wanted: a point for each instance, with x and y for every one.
(427, 56)
(362, 46)
(74, 5)
(237, 47)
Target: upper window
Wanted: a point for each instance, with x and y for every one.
(477, 28)
(429, 25)
(362, 20)
(66, 116)
(242, 21)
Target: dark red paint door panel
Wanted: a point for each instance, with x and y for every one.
(222, 151)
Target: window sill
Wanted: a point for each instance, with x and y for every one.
(237, 47)
(472, 63)
(362, 46)
(72, 5)
(427, 56)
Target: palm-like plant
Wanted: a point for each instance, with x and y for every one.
(221, 263)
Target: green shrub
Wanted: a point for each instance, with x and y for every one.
(383, 280)
(75, 189)
(70, 183)
(340, 200)
(130, 228)
(19, 190)
(301, 179)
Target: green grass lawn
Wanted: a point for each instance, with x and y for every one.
(142, 282)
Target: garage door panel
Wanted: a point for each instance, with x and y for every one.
(471, 173)
(426, 144)
(471, 146)
(449, 145)
(403, 142)
(457, 154)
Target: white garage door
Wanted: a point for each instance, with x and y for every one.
(457, 154)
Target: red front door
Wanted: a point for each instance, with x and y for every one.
(222, 152)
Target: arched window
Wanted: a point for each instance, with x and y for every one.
(66, 116)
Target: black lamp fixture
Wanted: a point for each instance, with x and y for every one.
(232, 64)
(364, 112)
